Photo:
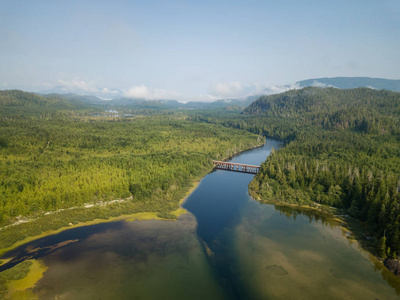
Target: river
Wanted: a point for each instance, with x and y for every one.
(228, 247)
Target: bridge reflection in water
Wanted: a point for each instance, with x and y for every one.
(236, 167)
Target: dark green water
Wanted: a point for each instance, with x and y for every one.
(228, 247)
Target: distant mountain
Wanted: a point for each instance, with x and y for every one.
(353, 82)
(143, 103)
(16, 102)
(95, 92)
(173, 104)
(75, 99)
(224, 103)
(58, 100)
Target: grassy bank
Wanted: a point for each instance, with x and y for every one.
(17, 282)
(69, 219)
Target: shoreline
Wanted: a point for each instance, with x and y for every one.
(141, 216)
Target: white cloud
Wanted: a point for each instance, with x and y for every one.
(218, 91)
(277, 89)
(205, 98)
(108, 91)
(138, 92)
(321, 84)
(143, 92)
(227, 90)
(76, 85)
(236, 90)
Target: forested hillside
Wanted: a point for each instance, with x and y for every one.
(343, 150)
(362, 109)
(16, 103)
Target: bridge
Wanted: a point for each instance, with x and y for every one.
(236, 167)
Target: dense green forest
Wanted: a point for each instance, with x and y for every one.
(343, 150)
(51, 161)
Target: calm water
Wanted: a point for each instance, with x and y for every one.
(228, 247)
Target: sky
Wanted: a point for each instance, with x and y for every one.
(193, 50)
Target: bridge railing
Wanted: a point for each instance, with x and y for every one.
(237, 167)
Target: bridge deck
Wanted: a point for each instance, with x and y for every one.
(237, 167)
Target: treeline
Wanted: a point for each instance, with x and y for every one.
(342, 150)
(61, 162)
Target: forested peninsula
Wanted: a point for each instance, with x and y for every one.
(342, 150)
(64, 161)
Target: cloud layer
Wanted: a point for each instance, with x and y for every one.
(227, 90)
(143, 92)
(217, 91)
(75, 85)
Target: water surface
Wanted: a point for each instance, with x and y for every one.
(259, 251)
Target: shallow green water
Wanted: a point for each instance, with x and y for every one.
(283, 258)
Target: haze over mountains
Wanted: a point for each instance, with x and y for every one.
(117, 96)
(69, 100)
(353, 82)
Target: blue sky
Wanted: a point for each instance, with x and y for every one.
(193, 50)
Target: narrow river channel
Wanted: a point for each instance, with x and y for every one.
(228, 247)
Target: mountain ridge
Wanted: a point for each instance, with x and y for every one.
(353, 82)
